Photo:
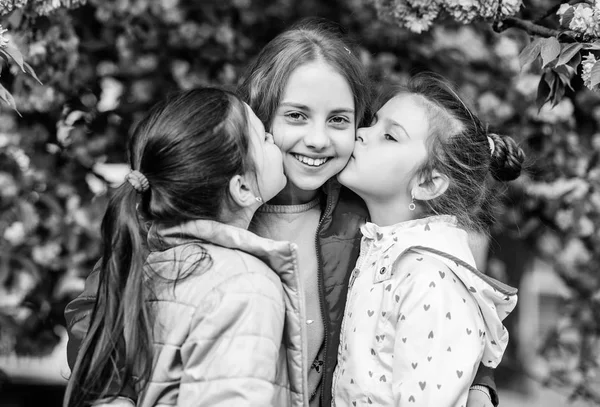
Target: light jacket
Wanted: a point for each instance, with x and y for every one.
(228, 334)
(419, 318)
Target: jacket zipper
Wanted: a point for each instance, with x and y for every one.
(349, 302)
(325, 316)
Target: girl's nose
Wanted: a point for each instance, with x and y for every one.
(317, 138)
(361, 135)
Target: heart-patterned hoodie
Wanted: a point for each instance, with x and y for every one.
(419, 318)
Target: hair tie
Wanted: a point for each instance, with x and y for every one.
(492, 145)
(138, 181)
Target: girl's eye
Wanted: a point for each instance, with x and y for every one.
(339, 120)
(389, 137)
(295, 116)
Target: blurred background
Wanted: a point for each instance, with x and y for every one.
(104, 62)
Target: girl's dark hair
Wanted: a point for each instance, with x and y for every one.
(188, 147)
(309, 40)
(459, 148)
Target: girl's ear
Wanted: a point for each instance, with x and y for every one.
(241, 191)
(435, 186)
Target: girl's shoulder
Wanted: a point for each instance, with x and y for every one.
(203, 268)
(418, 264)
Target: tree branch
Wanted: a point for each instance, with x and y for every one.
(551, 11)
(536, 29)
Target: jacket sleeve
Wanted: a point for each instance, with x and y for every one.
(438, 339)
(485, 377)
(77, 315)
(230, 356)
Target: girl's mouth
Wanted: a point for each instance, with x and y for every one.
(311, 162)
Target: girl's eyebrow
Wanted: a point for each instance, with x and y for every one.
(295, 105)
(346, 110)
(396, 124)
(300, 106)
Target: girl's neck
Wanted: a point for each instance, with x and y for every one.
(390, 212)
(292, 195)
(240, 218)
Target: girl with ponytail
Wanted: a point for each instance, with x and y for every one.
(191, 308)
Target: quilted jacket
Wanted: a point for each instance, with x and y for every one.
(230, 333)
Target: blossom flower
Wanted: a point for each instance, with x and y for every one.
(587, 64)
(418, 15)
(419, 23)
(492, 106)
(510, 7)
(8, 186)
(15, 233)
(562, 112)
(47, 253)
(3, 39)
(583, 19)
(562, 11)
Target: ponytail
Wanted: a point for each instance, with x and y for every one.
(119, 340)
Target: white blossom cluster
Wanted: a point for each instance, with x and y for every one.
(8, 6)
(3, 39)
(41, 7)
(586, 71)
(45, 7)
(582, 17)
(418, 15)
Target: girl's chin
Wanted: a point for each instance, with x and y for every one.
(345, 175)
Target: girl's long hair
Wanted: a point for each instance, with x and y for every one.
(188, 147)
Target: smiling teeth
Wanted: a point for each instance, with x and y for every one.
(313, 162)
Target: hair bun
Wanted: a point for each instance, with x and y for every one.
(507, 158)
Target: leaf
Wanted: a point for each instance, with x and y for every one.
(15, 18)
(557, 92)
(595, 75)
(28, 69)
(8, 98)
(574, 62)
(550, 50)
(14, 54)
(594, 46)
(565, 74)
(568, 52)
(543, 94)
(530, 52)
(567, 17)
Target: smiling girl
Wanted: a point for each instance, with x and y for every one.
(311, 92)
(419, 317)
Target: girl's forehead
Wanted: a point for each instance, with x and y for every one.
(318, 81)
(407, 110)
(404, 103)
